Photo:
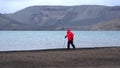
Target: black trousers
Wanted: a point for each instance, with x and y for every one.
(70, 42)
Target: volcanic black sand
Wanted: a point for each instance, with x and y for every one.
(108, 57)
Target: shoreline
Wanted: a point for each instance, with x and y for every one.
(55, 49)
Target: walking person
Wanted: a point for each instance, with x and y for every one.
(70, 37)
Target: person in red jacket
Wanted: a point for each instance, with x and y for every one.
(70, 37)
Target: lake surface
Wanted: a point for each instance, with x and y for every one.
(32, 40)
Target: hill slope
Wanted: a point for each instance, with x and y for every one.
(60, 17)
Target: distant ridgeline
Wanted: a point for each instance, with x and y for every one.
(84, 17)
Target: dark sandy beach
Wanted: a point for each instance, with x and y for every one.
(108, 57)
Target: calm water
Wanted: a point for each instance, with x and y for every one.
(30, 40)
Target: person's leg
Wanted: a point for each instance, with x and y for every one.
(68, 45)
(72, 44)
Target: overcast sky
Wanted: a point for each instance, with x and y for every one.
(11, 6)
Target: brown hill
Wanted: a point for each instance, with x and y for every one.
(108, 25)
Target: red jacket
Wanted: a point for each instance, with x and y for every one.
(70, 35)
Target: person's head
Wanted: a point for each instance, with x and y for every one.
(68, 30)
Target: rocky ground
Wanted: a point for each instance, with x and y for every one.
(61, 58)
